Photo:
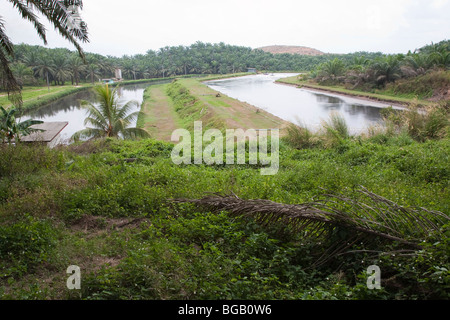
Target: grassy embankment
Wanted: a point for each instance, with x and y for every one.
(403, 92)
(37, 96)
(180, 103)
(34, 97)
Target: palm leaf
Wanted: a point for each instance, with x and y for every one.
(366, 219)
(87, 134)
(27, 13)
(133, 133)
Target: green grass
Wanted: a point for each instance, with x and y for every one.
(37, 96)
(106, 206)
(86, 205)
(381, 95)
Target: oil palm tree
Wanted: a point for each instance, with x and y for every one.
(108, 118)
(77, 67)
(92, 72)
(60, 14)
(61, 69)
(386, 70)
(331, 70)
(22, 73)
(45, 68)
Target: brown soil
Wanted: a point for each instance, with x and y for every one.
(292, 50)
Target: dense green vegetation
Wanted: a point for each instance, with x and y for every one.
(107, 118)
(418, 73)
(106, 206)
(32, 64)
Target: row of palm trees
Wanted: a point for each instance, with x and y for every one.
(58, 66)
(61, 65)
(385, 69)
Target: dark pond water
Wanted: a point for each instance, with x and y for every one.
(68, 108)
(303, 106)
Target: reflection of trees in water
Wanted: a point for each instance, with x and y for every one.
(72, 102)
(66, 104)
(331, 103)
(328, 99)
(369, 113)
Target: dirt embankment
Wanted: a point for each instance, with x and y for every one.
(306, 51)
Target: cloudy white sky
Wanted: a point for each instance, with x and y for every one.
(135, 26)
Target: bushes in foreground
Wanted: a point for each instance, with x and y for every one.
(88, 205)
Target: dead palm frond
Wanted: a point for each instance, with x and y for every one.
(372, 218)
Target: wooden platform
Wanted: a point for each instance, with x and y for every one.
(51, 131)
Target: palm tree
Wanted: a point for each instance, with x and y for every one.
(45, 68)
(386, 69)
(92, 72)
(416, 64)
(331, 70)
(61, 69)
(57, 12)
(10, 129)
(22, 73)
(108, 118)
(77, 67)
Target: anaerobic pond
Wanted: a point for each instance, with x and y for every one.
(69, 109)
(300, 106)
(303, 106)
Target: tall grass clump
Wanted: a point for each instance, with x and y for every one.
(421, 124)
(335, 130)
(300, 137)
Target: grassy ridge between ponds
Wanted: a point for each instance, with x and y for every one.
(35, 97)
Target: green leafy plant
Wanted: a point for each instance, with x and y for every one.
(10, 129)
(109, 119)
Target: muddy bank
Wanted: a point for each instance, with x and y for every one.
(384, 102)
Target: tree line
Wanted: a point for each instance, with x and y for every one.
(37, 64)
(376, 72)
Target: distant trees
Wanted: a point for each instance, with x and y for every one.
(59, 66)
(199, 58)
(378, 71)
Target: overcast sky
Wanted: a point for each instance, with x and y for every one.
(135, 26)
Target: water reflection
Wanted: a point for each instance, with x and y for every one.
(294, 105)
(69, 109)
(322, 98)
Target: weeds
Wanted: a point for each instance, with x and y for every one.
(181, 252)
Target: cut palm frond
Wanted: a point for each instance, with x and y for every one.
(372, 218)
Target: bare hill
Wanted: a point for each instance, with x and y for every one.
(292, 50)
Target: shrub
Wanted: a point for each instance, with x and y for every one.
(24, 245)
(421, 125)
(300, 137)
